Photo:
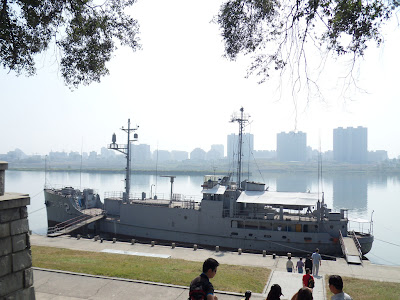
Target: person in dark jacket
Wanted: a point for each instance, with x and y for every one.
(201, 284)
(308, 263)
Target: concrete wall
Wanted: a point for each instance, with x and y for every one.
(16, 274)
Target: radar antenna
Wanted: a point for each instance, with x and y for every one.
(242, 119)
(125, 149)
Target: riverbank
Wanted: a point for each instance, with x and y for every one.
(207, 167)
(289, 282)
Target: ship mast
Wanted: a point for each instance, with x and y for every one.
(242, 119)
(125, 149)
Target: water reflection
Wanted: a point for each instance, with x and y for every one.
(350, 191)
(293, 183)
(379, 180)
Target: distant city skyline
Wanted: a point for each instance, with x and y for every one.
(181, 91)
(349, 145)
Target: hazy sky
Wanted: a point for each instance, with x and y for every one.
(181, 91)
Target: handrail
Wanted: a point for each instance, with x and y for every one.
(60, 228)
(342, 243)
(74, 220)
(358, 245)
(67, 221)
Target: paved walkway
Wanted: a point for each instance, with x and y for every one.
(67, 286)
(292, 282)
(55, 285)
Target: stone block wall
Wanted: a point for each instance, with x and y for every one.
(16, 274)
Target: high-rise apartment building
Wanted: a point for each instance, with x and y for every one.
(233, 146)
(198, 154)
(140, 153)
(291, 146)
(219, 148)
(179, 155)
(350, 144)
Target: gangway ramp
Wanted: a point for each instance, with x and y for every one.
(350, 249)
(73, 224)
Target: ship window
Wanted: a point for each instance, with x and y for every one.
(343, 226)
(250, 234)
(234, 233)
(316, 226)
(307, 239)
(267, 236)
(331, 226)
(284, 236)
(185, 217)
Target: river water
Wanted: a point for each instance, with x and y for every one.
(362, 194)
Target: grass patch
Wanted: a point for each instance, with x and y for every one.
(172, 271)
(368, 289)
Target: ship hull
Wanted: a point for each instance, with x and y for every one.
(190, 226)
(205, 227)
(59, 208)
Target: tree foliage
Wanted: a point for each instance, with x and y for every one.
(277, 31)
(83, 31)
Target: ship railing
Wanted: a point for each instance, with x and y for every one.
(161, 196)
(132, 196)
(260, 215)
(143, 196)
(361, 226)
(181, 197)
(117, 195)
(186, 204)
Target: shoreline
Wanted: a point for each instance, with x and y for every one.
(368, 270)
(200, 172)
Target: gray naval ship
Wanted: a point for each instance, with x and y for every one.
(231, 214)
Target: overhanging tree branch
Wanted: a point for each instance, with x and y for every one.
(84, 32)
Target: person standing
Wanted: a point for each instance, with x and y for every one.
(201, 287)
(308, 280)
(316, 261)
(336, 287)
(289, 265)
(308, 263)
(300, 265)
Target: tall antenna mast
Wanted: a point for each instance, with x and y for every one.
(45, 171)
(125, 149)
(80, 169)
(242, 119)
